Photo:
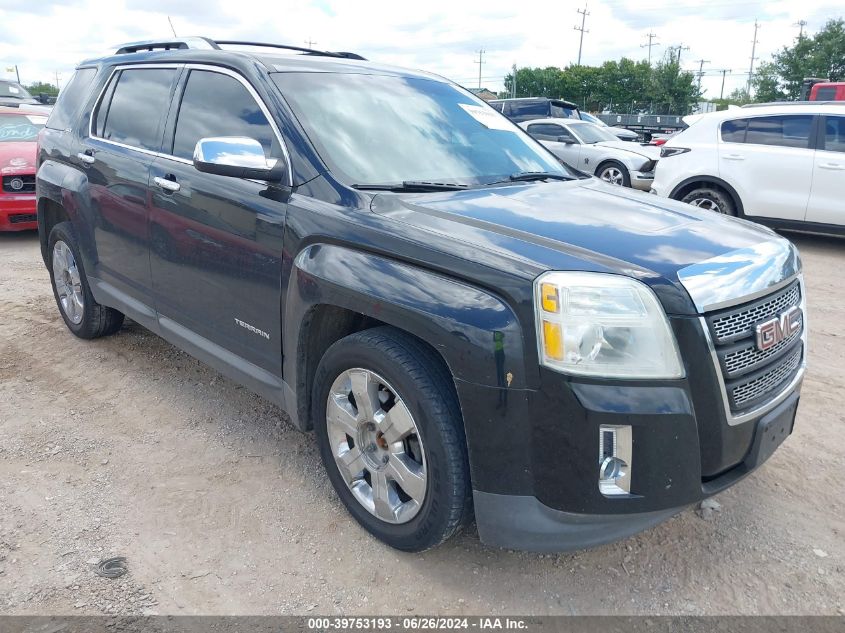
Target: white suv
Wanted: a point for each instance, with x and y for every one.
(779, 164)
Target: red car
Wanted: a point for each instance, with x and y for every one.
(19, 129)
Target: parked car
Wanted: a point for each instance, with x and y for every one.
(13, 94)
(594, 150)
(529, 108)
(18, 134)
(828, 91)
(620, 132)
(468, 325)
(778, 164)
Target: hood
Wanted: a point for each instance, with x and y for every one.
(17, 157)
(648, 151)
(580, 225)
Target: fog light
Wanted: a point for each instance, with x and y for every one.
(614, 460)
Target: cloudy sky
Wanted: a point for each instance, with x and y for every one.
(50, 36)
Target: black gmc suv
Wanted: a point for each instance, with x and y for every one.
(467, 325)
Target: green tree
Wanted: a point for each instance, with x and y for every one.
(766, 84)
(39, 86)
(674, 91)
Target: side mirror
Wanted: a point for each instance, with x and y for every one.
(237, 157)
(565, 139)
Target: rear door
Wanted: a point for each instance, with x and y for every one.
(125, 134)
(769, 161)
(217, 240)
(827, 198)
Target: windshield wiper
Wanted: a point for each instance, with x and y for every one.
(414, 186)
(530, 176)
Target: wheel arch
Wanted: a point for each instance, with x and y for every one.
(335, 291)
(685, 186)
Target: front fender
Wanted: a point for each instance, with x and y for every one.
(476, 332)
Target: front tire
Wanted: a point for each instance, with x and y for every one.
(712, 199)
(81, 313)
(614, 173)
(391, 438)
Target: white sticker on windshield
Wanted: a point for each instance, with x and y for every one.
(488, 117)
(13, 89)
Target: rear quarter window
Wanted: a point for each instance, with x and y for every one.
(71, 98)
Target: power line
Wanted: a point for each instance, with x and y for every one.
(480, 61)
(584, 13)
(754, 43)
(650, 45)
(169, 21)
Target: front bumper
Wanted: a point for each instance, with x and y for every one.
(642, 180)
(534, 453)
(17, 212)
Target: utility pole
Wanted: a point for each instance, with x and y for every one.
(17, 73)
(701, 63)
(310, 43)
(800, 24)
(170, 22)
(650, 44)
(754, 43)
(678, 49)
(724, 72)
(513, 87)
(480, 61)
(584, 13)
(57, 80)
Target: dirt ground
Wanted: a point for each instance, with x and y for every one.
(126, 446)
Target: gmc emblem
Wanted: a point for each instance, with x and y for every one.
(773, 331)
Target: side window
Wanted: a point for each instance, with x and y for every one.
(834, 134)
(547, 131)
(71, 98)
(734, 131)
(219, 105)
(828, 93)
(137, 108)
(538, 108)
(782, 131)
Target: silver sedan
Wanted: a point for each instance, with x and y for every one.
(594, 150)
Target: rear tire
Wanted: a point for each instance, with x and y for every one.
(81, 313)
(712, 199)
(396, 454)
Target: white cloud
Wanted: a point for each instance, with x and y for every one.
(441, 36)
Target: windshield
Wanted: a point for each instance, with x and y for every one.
(590, 133)
(586, 116)
(13, 90)
(379, 129)
(20, 127)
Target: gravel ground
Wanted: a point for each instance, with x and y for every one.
(126, 446)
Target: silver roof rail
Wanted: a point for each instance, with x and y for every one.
(201, 43)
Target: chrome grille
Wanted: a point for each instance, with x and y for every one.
(753, 389)
(749, 357)
(752, 377)
(740, 323)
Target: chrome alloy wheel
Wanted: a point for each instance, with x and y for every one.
(613, 175)
(376, 445)
(68, 284)
(706, 203)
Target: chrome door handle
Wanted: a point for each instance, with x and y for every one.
(86, 158)
(167, 185)
(837, 166)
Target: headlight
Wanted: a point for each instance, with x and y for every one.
(597, 324)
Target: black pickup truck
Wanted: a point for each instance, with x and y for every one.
(470, 327)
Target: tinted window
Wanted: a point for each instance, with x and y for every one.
(137, 108)
(219, 105)
(826, 94)
(784, 131)
(537, 108)
(560, 111)
(547, 129)
(71, 98)
(734, 131)
(834, 134)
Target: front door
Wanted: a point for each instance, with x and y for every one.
(127, 130)
(827, 197)
(560, 141)
(216, 240)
